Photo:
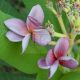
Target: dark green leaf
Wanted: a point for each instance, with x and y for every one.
(15, 76)
(7, 8)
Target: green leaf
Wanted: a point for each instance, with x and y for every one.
(11, 52)
(71, 76)
(15, 76)
(66, 22)
(43, 75)
(9, 9)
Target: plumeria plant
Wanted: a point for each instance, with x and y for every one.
(60, 53)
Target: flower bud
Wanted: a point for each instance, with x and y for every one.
(77, 22)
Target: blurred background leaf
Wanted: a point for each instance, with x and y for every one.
(6, 7)
(15, 76)
(71, 76)
(10, 73)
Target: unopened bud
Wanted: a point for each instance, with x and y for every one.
(77, 22)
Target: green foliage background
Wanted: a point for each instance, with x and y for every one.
(11, 52)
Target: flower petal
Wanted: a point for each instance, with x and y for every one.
(41, 36)
(32, 24)
(68, 62)
(13, 37)
(50, 58)
(17, 26)
(61, 47)
(37, 13)
(53, 69)
(42, 64)
(25, 42)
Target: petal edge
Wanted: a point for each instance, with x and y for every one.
(68, 62)
(13, 37)
(42, 64)
(17, 26)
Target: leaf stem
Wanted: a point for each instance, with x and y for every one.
(52, 43)
(61, 23)
(71, 42)
(59, 19)
(56, 34)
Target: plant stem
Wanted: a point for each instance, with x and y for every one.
(61, 23)
(70, 46)
(52, 43)
(59, 19)
(56, 34)
(52, 9)
(71, 42)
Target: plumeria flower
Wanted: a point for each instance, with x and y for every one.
(22, 31)
(57, 56)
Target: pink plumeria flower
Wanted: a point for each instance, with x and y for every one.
(21, 31)
(57, 56)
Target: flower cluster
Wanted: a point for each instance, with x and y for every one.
(72, 9)
(22, 31)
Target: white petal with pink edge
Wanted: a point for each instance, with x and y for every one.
(17, 26)
(13, 37)
(25, 42)
(61, 47)
(50, 58)
(42, 64)
(53, 69)
(37, 13)
(42, 37)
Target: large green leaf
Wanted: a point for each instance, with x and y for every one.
(71, 76)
